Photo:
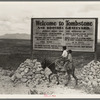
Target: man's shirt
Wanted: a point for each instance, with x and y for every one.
(65, 53)
(70, 57)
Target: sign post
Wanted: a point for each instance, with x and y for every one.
(32, 39)
(96, 31)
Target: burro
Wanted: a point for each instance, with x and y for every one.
(45, 23)
(78, 23)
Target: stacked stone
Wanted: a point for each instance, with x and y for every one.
(29, 72)
(90, 74)
(6, 72)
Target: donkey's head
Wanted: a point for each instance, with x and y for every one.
(43, 64)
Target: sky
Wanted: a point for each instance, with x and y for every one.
(15, 17)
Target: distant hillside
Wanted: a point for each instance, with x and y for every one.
(15, 36)
(19, 36)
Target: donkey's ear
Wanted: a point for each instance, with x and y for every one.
(44, 58)
(40, 61)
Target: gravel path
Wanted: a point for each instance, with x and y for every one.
(6, 87)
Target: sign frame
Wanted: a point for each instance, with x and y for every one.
(95, 35)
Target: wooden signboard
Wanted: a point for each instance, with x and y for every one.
(78, 34)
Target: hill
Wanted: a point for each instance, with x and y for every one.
(15, 36)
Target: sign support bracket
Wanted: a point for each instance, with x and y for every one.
(31, 38)
(96, 32)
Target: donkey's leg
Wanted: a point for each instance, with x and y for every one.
(69, 78)
(50, 76)
(16, 82)
(57, 79)
(73, 74)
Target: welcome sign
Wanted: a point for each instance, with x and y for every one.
(78, 34)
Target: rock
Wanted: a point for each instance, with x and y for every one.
(19, 76)
(92, 69)
(22, 73)
(13, 77)
(36, 81)
(85, 67)
(29, 77)
(94, 83)
(83, 73)
(26, 70)
(34, 61)
(91, 65)
(38, 76)
(91, 75)
(8, 73)
(34, 70)
(22, 68)
(4, 72)
(30, 73)
(98, 80)
(95, 67)
(83, 82)
(18, 71)
(11, 73)
(98, 76)
(99, 84)
(33, 79)
(21, 65)
(37, 72)
(24, 80)
(24, 76)
(42, 76)
(32, 65)
(38, 64)
(42, 72)
(39, 69)
(28, 82)
(89, 83)
(27, 66)
(33, 76)
(28, 61)
(33, 92)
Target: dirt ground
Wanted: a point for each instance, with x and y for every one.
(7, 87)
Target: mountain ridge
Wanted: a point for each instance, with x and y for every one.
(15, 36)
(20, 36)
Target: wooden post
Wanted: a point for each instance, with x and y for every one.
(31, 38)
(96, 32)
